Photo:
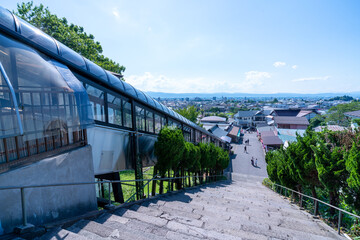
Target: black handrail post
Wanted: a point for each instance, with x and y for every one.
(148, 186)
(25, 227)
(109, 205)
(315, 207)
(339, 222)
(23, 207)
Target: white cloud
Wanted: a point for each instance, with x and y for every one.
(161, 83)
(294, 67)
(116, 13)
(149, 29)
(311, 79)
(279, 64)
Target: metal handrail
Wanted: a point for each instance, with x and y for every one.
(148, 182)
(315, 204)
(109, 182)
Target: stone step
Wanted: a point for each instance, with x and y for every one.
(236, 201)
(243, 209)
(276, 218)
(96, 228)
(144, 229)
(127, 213)
(85, 233)
(201, 204)
(59, 233)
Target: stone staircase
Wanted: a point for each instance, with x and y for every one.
(238, 209)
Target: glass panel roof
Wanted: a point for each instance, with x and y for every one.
(116, 82)
(172, 113)
(151, 101)
(71, 56)
(141, 95)
(157, 104)
(165, 108)
(97, 71)
(6, 19)
(37, 36)
(129, 89)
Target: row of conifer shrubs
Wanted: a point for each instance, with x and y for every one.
(178, 158)
(325, 165)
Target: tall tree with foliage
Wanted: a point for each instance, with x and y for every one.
(272, 160)
(330, 165)
(189, 112)
(69, 34)
(285, 170)
(222, 160)
(204, 159)
(352, 162)
(195, 155)
(169, 149)
(305, 161)
(336, 113)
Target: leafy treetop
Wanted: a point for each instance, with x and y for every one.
(69, 34)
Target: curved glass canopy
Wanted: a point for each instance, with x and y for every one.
(50, 98)
(70, 57)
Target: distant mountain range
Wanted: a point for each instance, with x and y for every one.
(249, 95)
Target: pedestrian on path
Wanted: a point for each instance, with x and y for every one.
(255, 162)
(252, 161)
(245, 149)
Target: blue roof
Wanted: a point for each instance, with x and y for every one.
(289, 134)
(16, 27)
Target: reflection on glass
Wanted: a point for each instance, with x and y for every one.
(114, 110)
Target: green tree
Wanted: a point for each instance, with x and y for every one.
(318, 120)
(189, 112)
(195, 155)
(304, 161)
(272, 160)
(330, 165)
(285, 170)
(352, 161)
(169, 149)
(204, 159)
(222, 160)
(69, 34)
(336, 113)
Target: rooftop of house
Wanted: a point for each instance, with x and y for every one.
(218, 131)
(289, 134)
(272, 140)
(213, 119)
(303, 113)
(245, 113)
(265, 128)
(286, 112)
(235, 131)
(353, 114)
(226, 139)
(291, 120)
(267, 134)
(330, 127)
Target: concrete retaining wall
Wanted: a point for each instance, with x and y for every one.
(49, 204)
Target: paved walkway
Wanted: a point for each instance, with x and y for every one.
(241, 161)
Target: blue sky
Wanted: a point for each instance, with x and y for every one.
(254, 46)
